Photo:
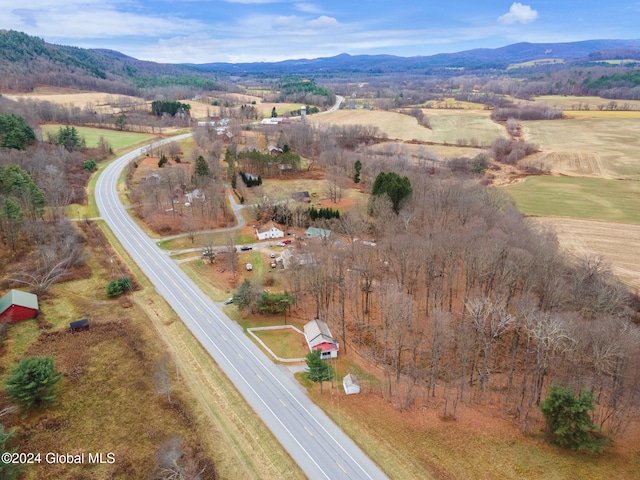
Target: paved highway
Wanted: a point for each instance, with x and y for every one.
(319, 447)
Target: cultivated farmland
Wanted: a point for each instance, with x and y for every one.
(614, 140)
(575, 197)
(447, 126)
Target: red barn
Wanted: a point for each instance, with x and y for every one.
(17, 305)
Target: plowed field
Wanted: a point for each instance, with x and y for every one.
(618, 243)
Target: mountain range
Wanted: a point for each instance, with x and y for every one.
(27, 61)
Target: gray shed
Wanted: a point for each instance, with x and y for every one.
(350, 384)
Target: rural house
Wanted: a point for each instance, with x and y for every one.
(273, 150)
(17, 305)
(318, 336)
(269, 230)
(315, 232)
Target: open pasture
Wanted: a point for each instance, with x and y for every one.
(576, 197)
(618, 244)
(117, 139)
(579, 164)
(614, 140)
(570, 102)
(97, 101)
(447, 126)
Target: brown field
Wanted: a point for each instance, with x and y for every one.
(614, 141)
(571, 102)
(447, 126)
(617, 243)
(104, 102)
(200, 109)
(580, 164)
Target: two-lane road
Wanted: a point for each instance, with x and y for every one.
(319, 447)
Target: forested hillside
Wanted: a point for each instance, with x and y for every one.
(27, 62)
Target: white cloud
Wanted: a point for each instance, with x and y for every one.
(285, 22)
(323, 22)
(518, 13)
(308, 7)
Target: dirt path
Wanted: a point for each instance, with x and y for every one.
(616, 242)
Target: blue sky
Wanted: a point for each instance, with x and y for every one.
(201, 31)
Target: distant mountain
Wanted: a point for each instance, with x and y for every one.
(480, 58)
(27, 62)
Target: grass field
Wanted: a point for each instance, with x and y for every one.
(285, 343)
(118, 140)
(570, 102)
(103, 102)
(447, 126)
(582, 198)
(614, 140)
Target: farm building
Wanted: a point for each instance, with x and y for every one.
(273, 150)
(269, 230)
(351, 384)
(301, 197)
(318, 336)
(291, 258)
(17, 305)
(315, 232)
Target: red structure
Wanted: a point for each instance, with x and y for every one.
(17, 305)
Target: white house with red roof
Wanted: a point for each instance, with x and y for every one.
(318, 336)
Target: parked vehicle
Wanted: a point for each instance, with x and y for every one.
(244, 248)
(273, 255)
(249, 267)
(280, 244)
(286, 242)
(228, 301)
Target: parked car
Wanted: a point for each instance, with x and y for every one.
(272, 255)
(291, 233)
(228, 301)
(286, 242)
(244, 248)
(281, 244)
(249, 267)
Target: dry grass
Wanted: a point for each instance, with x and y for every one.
(615, 242)
(447, 126)
(569, 102)
(102, 102)
(614, 141)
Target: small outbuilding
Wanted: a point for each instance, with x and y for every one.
(17, 305)
(79, 325)
(351, 384)
(318, 336)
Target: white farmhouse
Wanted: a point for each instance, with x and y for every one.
(269, 230)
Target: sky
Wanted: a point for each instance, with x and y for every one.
(236, 31)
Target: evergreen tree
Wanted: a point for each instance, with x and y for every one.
(15, 132)
(569, 420)
(33, 383)
(69, 138)
(357, 167)
(396, 187)
(163, 161)
(89, 165)
(12, 218)
(318, 370)
(274, 114)
(202, 167)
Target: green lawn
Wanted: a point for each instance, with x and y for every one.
(118, 140)
(575, 197)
